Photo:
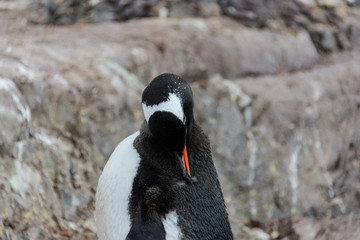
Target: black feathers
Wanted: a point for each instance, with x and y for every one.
(147, 227)
(200, 206)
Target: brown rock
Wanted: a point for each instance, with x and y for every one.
(343, 227)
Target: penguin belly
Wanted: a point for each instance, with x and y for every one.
(114, 189)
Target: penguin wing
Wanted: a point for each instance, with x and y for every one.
(149, 227)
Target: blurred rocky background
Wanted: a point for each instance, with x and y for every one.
(276, 85)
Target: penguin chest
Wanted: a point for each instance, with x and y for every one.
(114, 190)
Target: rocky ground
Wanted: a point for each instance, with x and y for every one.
(283, 118)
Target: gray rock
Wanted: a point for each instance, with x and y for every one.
(15, 115)
(344, 227)
(271, 14)
(285, 145)
(290, 148)
(325, 21)
(324, 37)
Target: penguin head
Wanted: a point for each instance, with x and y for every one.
(167, 104)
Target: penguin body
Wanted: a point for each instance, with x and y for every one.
(147, 191)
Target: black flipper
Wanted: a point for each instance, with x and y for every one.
(148, 227)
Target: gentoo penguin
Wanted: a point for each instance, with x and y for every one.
(160, 182)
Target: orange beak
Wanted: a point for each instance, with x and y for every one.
(185, 160)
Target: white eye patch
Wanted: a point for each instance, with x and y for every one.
(172, 105)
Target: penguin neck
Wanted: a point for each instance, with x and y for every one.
(171, 146)
(164, 159)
